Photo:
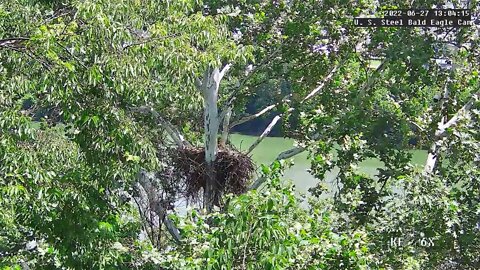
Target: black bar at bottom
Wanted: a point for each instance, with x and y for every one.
(413, 22)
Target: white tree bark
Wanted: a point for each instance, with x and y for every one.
(275, 120)
(211, 121)
(266, 132)
(431, 160)
(209, 88)
(441, 131)
(252, 116)
(432, 152)
(311, 94)
(322, 84)
(297, 150)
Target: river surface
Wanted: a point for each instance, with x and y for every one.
(270, 147)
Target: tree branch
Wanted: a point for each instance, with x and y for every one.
(297, 150)
(323, 83)
(224, 71)
(174, 232)
(265, 133)
(371, 79)
(176, 136)
(147, 194)
(432, 152)
(284, 155)
(12, 42)
(306, 98)
(278, 117)
(253, 116)
(442, 130)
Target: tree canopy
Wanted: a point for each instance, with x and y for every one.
(113, 112)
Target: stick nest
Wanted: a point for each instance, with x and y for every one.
(233, 170)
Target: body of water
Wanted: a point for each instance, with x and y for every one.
(270, 147)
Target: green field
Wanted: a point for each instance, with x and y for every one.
(270, 147)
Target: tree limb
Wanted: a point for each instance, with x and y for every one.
(176, 136)
(265, 133)
(174, 232)
(224, 71)
(323, 83)
(432, 152)
(311, 94)
(252, 116)
(13, 42)
(147, 195)
(442, 130)
(371, 79)
(297, 150)
(278, 117)
(284, 155)
(270, 107)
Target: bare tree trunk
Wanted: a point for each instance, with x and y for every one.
(211, 124)
(433, 151)
(209, 88)
(431, 159)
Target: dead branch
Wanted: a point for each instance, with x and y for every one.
(284, 155)
(264, 133)
(176, 136)
(253, 116)
(441, 131)
(16, 42)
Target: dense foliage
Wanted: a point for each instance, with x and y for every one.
(268, 229)
(97, 98)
